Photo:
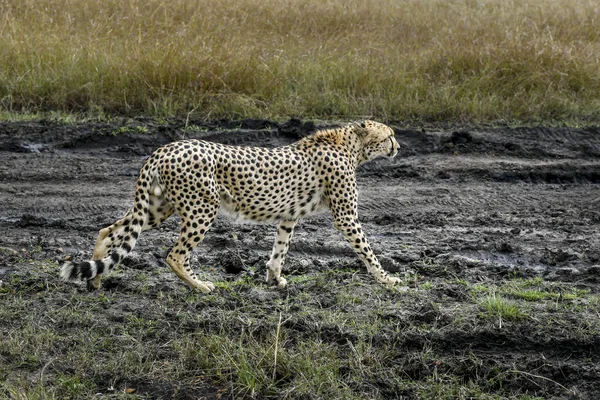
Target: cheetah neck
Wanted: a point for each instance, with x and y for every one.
(343, 138)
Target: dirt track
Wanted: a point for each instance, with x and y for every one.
(475, 205)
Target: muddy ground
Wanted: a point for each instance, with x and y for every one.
(465, 216)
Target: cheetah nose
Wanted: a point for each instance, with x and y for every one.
(401, 147)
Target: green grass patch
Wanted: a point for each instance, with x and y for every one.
(500, 308)
(538, 290)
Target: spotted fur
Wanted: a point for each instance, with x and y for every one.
(196, 179)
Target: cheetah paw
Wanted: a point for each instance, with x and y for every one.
(391, 280)
(205, 287)
(281, 283)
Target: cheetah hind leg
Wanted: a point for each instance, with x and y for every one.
(193, 230)
(108, 238)
(111, 237)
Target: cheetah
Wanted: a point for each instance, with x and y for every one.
(196, 179)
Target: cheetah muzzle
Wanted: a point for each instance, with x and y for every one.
(196, 179)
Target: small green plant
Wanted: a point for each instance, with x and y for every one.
(141, 129)
(533, 282)
(347, 297)
(537, 290)
(532, 294)
(500, 308)
(73, 386)
(463, 282)
(194, 128)
(120, 131)
(129, 129)
(478, 289)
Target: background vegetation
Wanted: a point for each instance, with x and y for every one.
(398, 60)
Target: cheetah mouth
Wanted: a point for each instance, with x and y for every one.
(393, 151)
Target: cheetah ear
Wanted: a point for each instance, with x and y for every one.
(361, 129)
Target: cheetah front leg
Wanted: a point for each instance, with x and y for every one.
(352, 231)
(284, 235)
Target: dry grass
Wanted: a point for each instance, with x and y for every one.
(430, 60)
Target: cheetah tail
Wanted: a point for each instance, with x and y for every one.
(86, 270)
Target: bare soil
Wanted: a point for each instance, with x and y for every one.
(460, 214)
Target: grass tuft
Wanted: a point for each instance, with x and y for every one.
(500, 308)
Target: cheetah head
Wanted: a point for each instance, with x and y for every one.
(377, 139)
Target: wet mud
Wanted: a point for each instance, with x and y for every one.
(474, 205)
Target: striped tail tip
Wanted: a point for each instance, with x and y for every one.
(71, 272)
(67, 272)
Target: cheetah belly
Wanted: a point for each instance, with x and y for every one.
(273, 207)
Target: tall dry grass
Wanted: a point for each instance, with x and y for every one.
(433, 60)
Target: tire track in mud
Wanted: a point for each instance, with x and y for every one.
(491, 196)
(529, 142)
(72, 210)
(587, 137)
(368, 204)
(52, 167)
